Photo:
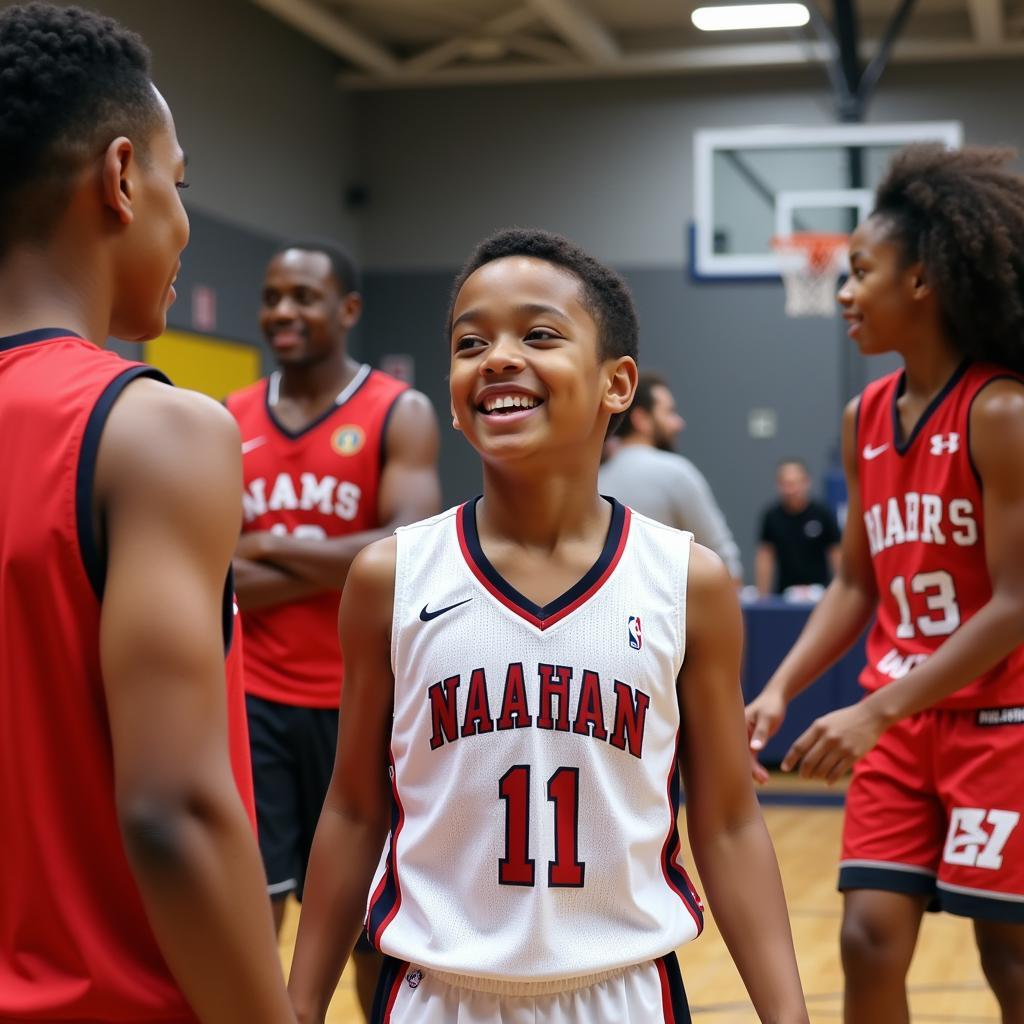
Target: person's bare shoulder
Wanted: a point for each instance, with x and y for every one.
(999, 406)
(414, 404)
(369, 593)
(997, 434)
(374, 566)
(707, 578)
(412, 423)
(712, 606)
(162, 435)
(170, 466)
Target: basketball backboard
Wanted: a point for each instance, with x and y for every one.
(754, 184)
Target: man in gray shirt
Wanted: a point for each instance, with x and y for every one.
(647, 474)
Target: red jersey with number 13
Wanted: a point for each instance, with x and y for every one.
(318, 482)
(924, 516)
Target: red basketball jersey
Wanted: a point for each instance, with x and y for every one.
(75, 943)
(924, 516)
(318, 482)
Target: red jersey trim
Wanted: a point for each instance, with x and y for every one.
(543, 617)
(676, 877)
(387, 897)
(396, 987)
(666, 994)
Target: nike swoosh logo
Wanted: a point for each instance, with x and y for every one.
(248, 446)
(873, 453)
(426, 616)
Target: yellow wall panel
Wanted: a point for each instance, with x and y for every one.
(197, 361)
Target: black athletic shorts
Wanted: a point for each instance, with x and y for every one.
(292, 760)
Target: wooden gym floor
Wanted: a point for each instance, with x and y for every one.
(946, 984)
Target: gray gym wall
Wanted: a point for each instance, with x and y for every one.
(610, 164)
(274, 145)
(269, 141)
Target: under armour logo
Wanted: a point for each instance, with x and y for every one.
(945, 444)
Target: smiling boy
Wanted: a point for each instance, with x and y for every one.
(536, 665)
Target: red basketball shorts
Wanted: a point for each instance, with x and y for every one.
(935, 809)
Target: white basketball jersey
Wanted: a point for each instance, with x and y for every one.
(534, 760)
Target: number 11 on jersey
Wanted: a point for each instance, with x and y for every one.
(517, 867)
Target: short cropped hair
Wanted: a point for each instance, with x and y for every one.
(605, 295)
(343, 264)
(71, 82)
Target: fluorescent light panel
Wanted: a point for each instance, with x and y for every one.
(731, 17)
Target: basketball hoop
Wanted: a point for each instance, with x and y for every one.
(810, 263)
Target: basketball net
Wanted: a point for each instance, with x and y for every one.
(810, 264)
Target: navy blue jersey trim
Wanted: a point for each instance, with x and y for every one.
(31, 337)
(678, 878)
(578, 590)
(912, 883)
(228, 611)
(382, 457)
(902, 447)
(384, 904)
(390, 971)
(981, 908)
(91, 547)
(294, 435)
(970, 453)
(677, 991)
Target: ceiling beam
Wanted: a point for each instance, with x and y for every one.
(335, 34)
(540, 49)
(452, 49)
(580, 29)
(987, 21)
(695, 60)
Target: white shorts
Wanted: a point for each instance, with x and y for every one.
(647, 993)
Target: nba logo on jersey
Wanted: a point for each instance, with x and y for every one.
(635, 630)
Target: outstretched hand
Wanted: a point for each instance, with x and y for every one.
(764, 715)
(829, 747)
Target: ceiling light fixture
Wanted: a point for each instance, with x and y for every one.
(732, 17)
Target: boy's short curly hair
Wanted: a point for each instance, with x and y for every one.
(605, 295)
(71, 81)
(960, 213)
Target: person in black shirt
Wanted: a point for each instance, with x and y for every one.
(799, 542)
